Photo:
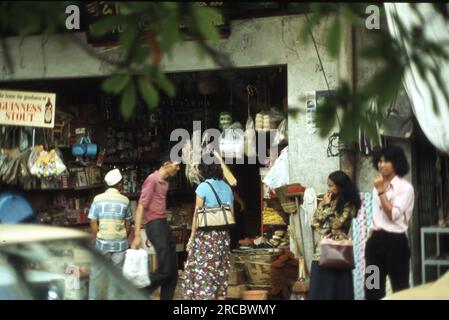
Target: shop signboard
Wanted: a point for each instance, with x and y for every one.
(96, 10)
(28, 109)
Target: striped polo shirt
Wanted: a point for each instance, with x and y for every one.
(111, 209)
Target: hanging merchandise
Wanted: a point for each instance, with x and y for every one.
(309, 205)
(85, 147)
(225, 120)
(191, 158)
(278, 175)
(232, 142)
(13, 166)
(250, 134)
(45, 164)
(281, 136)
(260, 121)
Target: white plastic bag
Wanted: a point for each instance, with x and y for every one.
(250, 138)
(232, 141)
(281, 133)
(278, 175)
(135, 268)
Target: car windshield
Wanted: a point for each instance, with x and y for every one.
(59, 270)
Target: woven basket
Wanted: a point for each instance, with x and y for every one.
(258, 268)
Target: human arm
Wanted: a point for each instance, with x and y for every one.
(94, 228)
(145, 199)
(239, 200)
(198, 204)
(137, 225)
(384, 202)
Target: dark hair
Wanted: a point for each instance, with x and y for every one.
(165, 157)
(211, 171)
(347, 191)
(395, 155)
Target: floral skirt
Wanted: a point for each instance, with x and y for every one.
(207, 267)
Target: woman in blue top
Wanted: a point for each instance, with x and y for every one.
(208, 261)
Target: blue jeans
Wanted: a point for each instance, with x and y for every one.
(100, 285)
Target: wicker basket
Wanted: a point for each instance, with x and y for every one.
(258, 268)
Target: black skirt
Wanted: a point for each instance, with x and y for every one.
(330, 284)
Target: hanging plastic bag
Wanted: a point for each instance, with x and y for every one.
(274, 119)
(48, 165)
(278, 175)
(281, 133)
(135, 268)
(192, 173)
(250, 138)
(232, 141)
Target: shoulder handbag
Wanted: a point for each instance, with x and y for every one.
(337, 254)
(216, 218)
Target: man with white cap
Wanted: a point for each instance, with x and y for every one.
(110, 216)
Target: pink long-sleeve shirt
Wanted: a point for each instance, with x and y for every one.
(402, 197)
(153, 198)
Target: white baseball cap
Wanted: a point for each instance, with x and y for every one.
(113, 177)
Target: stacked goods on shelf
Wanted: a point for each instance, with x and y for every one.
(279, 239)
(271, 216)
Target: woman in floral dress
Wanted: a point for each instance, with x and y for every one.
(208, 261)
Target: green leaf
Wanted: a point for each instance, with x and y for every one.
(105, 25)
(161, 80)
(169, 5)
(128, 37)
(148, 92)
(204, 18)
(116, 83)
(334, 38)
(128, 101)
(170, 34)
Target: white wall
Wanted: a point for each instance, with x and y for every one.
(253, 42)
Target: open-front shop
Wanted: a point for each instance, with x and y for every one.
(89, 137)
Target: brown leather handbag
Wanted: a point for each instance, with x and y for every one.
(337, 254)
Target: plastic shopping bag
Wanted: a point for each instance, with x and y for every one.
(135, 268)
(278, 175)
(232, 141)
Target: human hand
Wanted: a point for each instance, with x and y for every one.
(379, 183)
(327, 198)
(189, 245)
(136, 244)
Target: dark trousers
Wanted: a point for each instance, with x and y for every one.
(166, 274)
(390, 252)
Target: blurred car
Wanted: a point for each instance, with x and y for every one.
(53, 263)
(438, 290)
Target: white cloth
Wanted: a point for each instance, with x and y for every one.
(309, 204)
(419, 89)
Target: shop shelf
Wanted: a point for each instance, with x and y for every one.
(129, 161)
(95, 186)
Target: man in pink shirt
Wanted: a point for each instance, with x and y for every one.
(151, 210)
(393, 200)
